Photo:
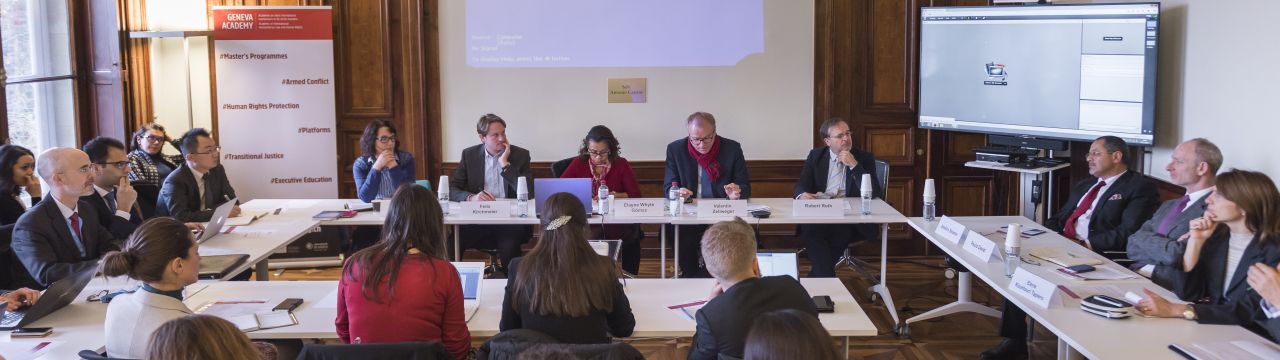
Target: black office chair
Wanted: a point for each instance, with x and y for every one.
(558, 167)
(511, 343)
(847, 259)
(94, 355)
(401, 350)
(13, 274)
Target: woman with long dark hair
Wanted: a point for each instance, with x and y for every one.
(402, 288)
(17, 172)
(562, 287)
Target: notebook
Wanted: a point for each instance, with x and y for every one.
(1063, 257)
(245, 218)
(249, 315)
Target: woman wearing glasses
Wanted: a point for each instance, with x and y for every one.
(17, 172)
(600, 159)
(149, 166)
(382, 166)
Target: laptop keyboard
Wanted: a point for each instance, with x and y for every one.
(11, 318)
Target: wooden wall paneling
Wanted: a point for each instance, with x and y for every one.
(891, 50)
(891, 143)
(965, 196)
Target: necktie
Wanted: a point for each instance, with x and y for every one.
(206, 201)
(111, 201)
(1069, 228)
(1167, 222)
(75, 229)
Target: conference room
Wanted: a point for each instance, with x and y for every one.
(666, 179)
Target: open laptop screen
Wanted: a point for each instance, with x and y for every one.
(778, 263)
(470, 277)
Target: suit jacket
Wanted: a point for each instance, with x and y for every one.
(43, 242)
(682, 168)
(131, 318)
(1147, 246)
(180, 196)
(468, 178)
(1271, 326)
(813, 178)
(1207, 279)
(1118, 213)
(724, 321)
(118, 226)
(595, 328)
(11, 209)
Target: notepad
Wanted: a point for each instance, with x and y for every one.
(245, 218)
(249, 315)
(1224, 350)
(333, 215)
(1063, 257)
(263, 321)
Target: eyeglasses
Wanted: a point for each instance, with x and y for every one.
(84, 169)
(701, 139)
(598, 153)
(117, 164)
(842, 135)
(153, 138)
(215, 149)
(386, 139)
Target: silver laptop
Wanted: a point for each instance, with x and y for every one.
(214, 226)
(606, 248)
(778, 262)
(471, 273)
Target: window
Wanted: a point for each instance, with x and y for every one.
(40, 89)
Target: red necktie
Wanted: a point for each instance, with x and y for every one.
(1069, 227)
(75, 224)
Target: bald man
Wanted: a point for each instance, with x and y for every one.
(57, 237)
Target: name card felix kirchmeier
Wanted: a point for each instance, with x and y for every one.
(634, 208)
(722, 208)
(485, 209)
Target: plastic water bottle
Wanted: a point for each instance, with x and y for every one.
(603, 195)
(930, 201)
(866, 194)
(522, 197)
(673, 199)
(443, 194)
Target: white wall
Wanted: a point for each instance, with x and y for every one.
(1218, 79)
(168, 65)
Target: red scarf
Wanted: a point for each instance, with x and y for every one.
(708, 161)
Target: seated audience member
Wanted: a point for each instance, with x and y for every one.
(563, 288)
(149, 166)
(600, 159)
(1157, 246)
(832, 172)
(402, 288)
(204, 337)
(789, 334)
(703, 165)
(740, 295)
(382, 167)
(1101, 213)
(162, 254)
(1266, 280)
(56, 239)
(18, 299)
(194, 190)
(112, 196)
(488, 172)
(17, 172)
(1239, 229)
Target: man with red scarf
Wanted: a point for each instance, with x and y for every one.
(703, 165)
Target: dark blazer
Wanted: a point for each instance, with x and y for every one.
(1119, 212)
(180, 196)
(1271, 326)
(1147, 246)
(683, 169)
(591, 329)
(1207, 279)
(468, 178)
(813, 178)
(119, 227)
(11, 209)
(43, 243)
(724, 321)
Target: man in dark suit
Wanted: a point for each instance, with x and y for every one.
(191, 193)
(56, 238)
(740, 295)
(112, 198)
(831, 172)
(1101, 213)
(491, 171)
(703, 166)
(1157, 247)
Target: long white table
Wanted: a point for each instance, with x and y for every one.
(1081, 333)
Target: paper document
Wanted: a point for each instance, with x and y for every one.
(249, 315)
(245, 218)
(1228, 350)
(1100, 272)
(24, 349)
(1064, 257)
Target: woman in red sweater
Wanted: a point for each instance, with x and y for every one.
(402, 288)
(600, 159)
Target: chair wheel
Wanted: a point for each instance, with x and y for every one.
(873, 297)
(949, 273)
(903, 331)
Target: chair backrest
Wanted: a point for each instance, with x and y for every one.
(13, 274)
(882, 175)
(425, 184)
(401, 350)
(148, 195)
(508, 345)
(558, 167)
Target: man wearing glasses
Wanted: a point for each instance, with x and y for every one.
(703, 165)
(60, 236)
(191, 193)
(113, 197)
(832, 172)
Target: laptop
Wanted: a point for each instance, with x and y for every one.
(470, 273)
(58, 295)
(216, 267)
(579, 187)
(778, 262)
(214, 226)
(606, 248)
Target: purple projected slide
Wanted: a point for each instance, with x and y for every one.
(612, 33)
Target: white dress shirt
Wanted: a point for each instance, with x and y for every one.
(835, 177)
(1082, 223)
(493, 183)
(200, 185)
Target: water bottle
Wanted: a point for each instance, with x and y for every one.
(866, 194)
(442, 194)
(522, 197)
(603, 195)
(673, 199)
(930, 201)
(1012, 249)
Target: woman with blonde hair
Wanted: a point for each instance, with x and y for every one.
(202, 337)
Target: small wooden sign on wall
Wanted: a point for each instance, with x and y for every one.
(628, 90)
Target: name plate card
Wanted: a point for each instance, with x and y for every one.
(639, 208)
(818, 208)
(485, 209)
(979, 245)
(722, 208)
(1040, 291)
(949, 229)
